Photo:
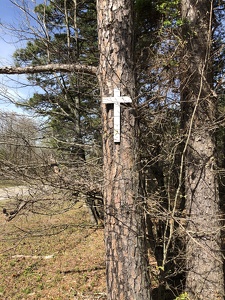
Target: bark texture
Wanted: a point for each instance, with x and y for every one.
(126, 255)
(203, 256)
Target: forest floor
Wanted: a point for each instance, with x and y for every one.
(51, 257)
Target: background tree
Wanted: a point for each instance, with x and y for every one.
(67, 34)
(199, 101)
(19, 138)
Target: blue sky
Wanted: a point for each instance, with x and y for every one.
(10, 14)
(7, 11)
(7, 15)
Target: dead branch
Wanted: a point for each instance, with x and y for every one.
(68, 68)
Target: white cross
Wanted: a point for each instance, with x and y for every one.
(116, 100)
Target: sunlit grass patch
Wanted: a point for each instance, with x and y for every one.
(52, 257)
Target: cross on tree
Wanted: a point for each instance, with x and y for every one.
(116, 100)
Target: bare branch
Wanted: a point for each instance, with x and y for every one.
(49, 68)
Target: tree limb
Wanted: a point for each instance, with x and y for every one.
(49, 68)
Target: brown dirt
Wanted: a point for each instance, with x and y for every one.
(51, 257)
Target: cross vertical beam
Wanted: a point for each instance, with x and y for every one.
(116, 100)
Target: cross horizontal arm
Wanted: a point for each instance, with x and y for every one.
(124, 99)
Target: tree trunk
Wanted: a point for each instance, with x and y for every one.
(203, 251)
(125, 241)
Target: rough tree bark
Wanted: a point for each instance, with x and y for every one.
(203, 253)
(126, 255)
